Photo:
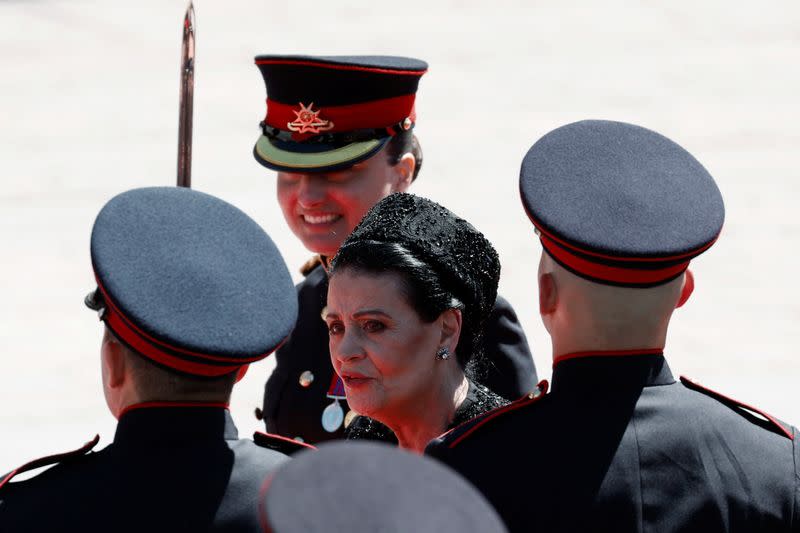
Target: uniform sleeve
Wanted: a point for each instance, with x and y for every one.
(796, 509)
(510, 369)
(437, 449)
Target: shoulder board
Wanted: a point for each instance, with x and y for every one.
(280, 444)
(775, 424)
(50, 460)
(310, 265)
(456, 435)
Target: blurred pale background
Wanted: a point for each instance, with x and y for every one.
(88, 108)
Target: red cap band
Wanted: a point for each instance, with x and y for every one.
(619, 275)
(163, 353)
(336, 119)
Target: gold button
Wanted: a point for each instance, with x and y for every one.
(407, 123)
(306, 379)
(348, 418)
(535, 393)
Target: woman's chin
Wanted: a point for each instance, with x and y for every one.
(364, 405)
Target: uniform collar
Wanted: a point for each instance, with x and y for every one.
(619, 369)
(325, 262)
(159, 421)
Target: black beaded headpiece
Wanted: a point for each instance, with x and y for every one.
(466, 261)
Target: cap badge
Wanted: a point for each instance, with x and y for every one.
(308, 121)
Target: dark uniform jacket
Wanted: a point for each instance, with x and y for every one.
(292, 410)
(620, 445)
(170, 469)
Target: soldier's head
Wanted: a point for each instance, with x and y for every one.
(339, 132)
(620, 211)
(130, 378)
(191, 291)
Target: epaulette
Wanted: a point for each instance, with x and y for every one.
(50, 460)
(280, 444)
(310, 265)
(773, 422)
(462, 431)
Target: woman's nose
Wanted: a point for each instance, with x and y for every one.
(348, 348)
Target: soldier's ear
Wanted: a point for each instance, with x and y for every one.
(548, 293)
(404, 172)
(114, 369)
(113, 361)
(687, 289)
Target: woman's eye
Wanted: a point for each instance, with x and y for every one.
(373, 326)
(335, 328)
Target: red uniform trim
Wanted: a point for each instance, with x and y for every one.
(616, 274)
(688, 382)
(155, 405)
(332, 66)
(494, 413)
(374, 114)
(50, 459)
(608, 353)
(130, 325)
(662, 258)
(155, 349)
(285, 439)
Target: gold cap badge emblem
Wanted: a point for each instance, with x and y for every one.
(308, 121)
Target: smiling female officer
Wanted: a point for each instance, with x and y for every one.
(339, 132)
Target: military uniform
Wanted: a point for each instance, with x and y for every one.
(324, 114)
(296, 394)
(194, 289)
(171, 468)
(621, 445)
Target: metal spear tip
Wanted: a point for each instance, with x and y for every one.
(186, 99)
(188, 19)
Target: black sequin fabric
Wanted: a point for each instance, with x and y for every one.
(478, 401)
(463, 257)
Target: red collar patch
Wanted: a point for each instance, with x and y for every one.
(608, 353)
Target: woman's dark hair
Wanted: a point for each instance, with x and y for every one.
(424, 289)
(401, 144)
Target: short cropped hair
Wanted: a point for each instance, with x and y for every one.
(154, 381)
(404, 143)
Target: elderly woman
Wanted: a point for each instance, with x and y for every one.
(410, 290)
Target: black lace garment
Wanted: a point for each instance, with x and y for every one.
(478, 401)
